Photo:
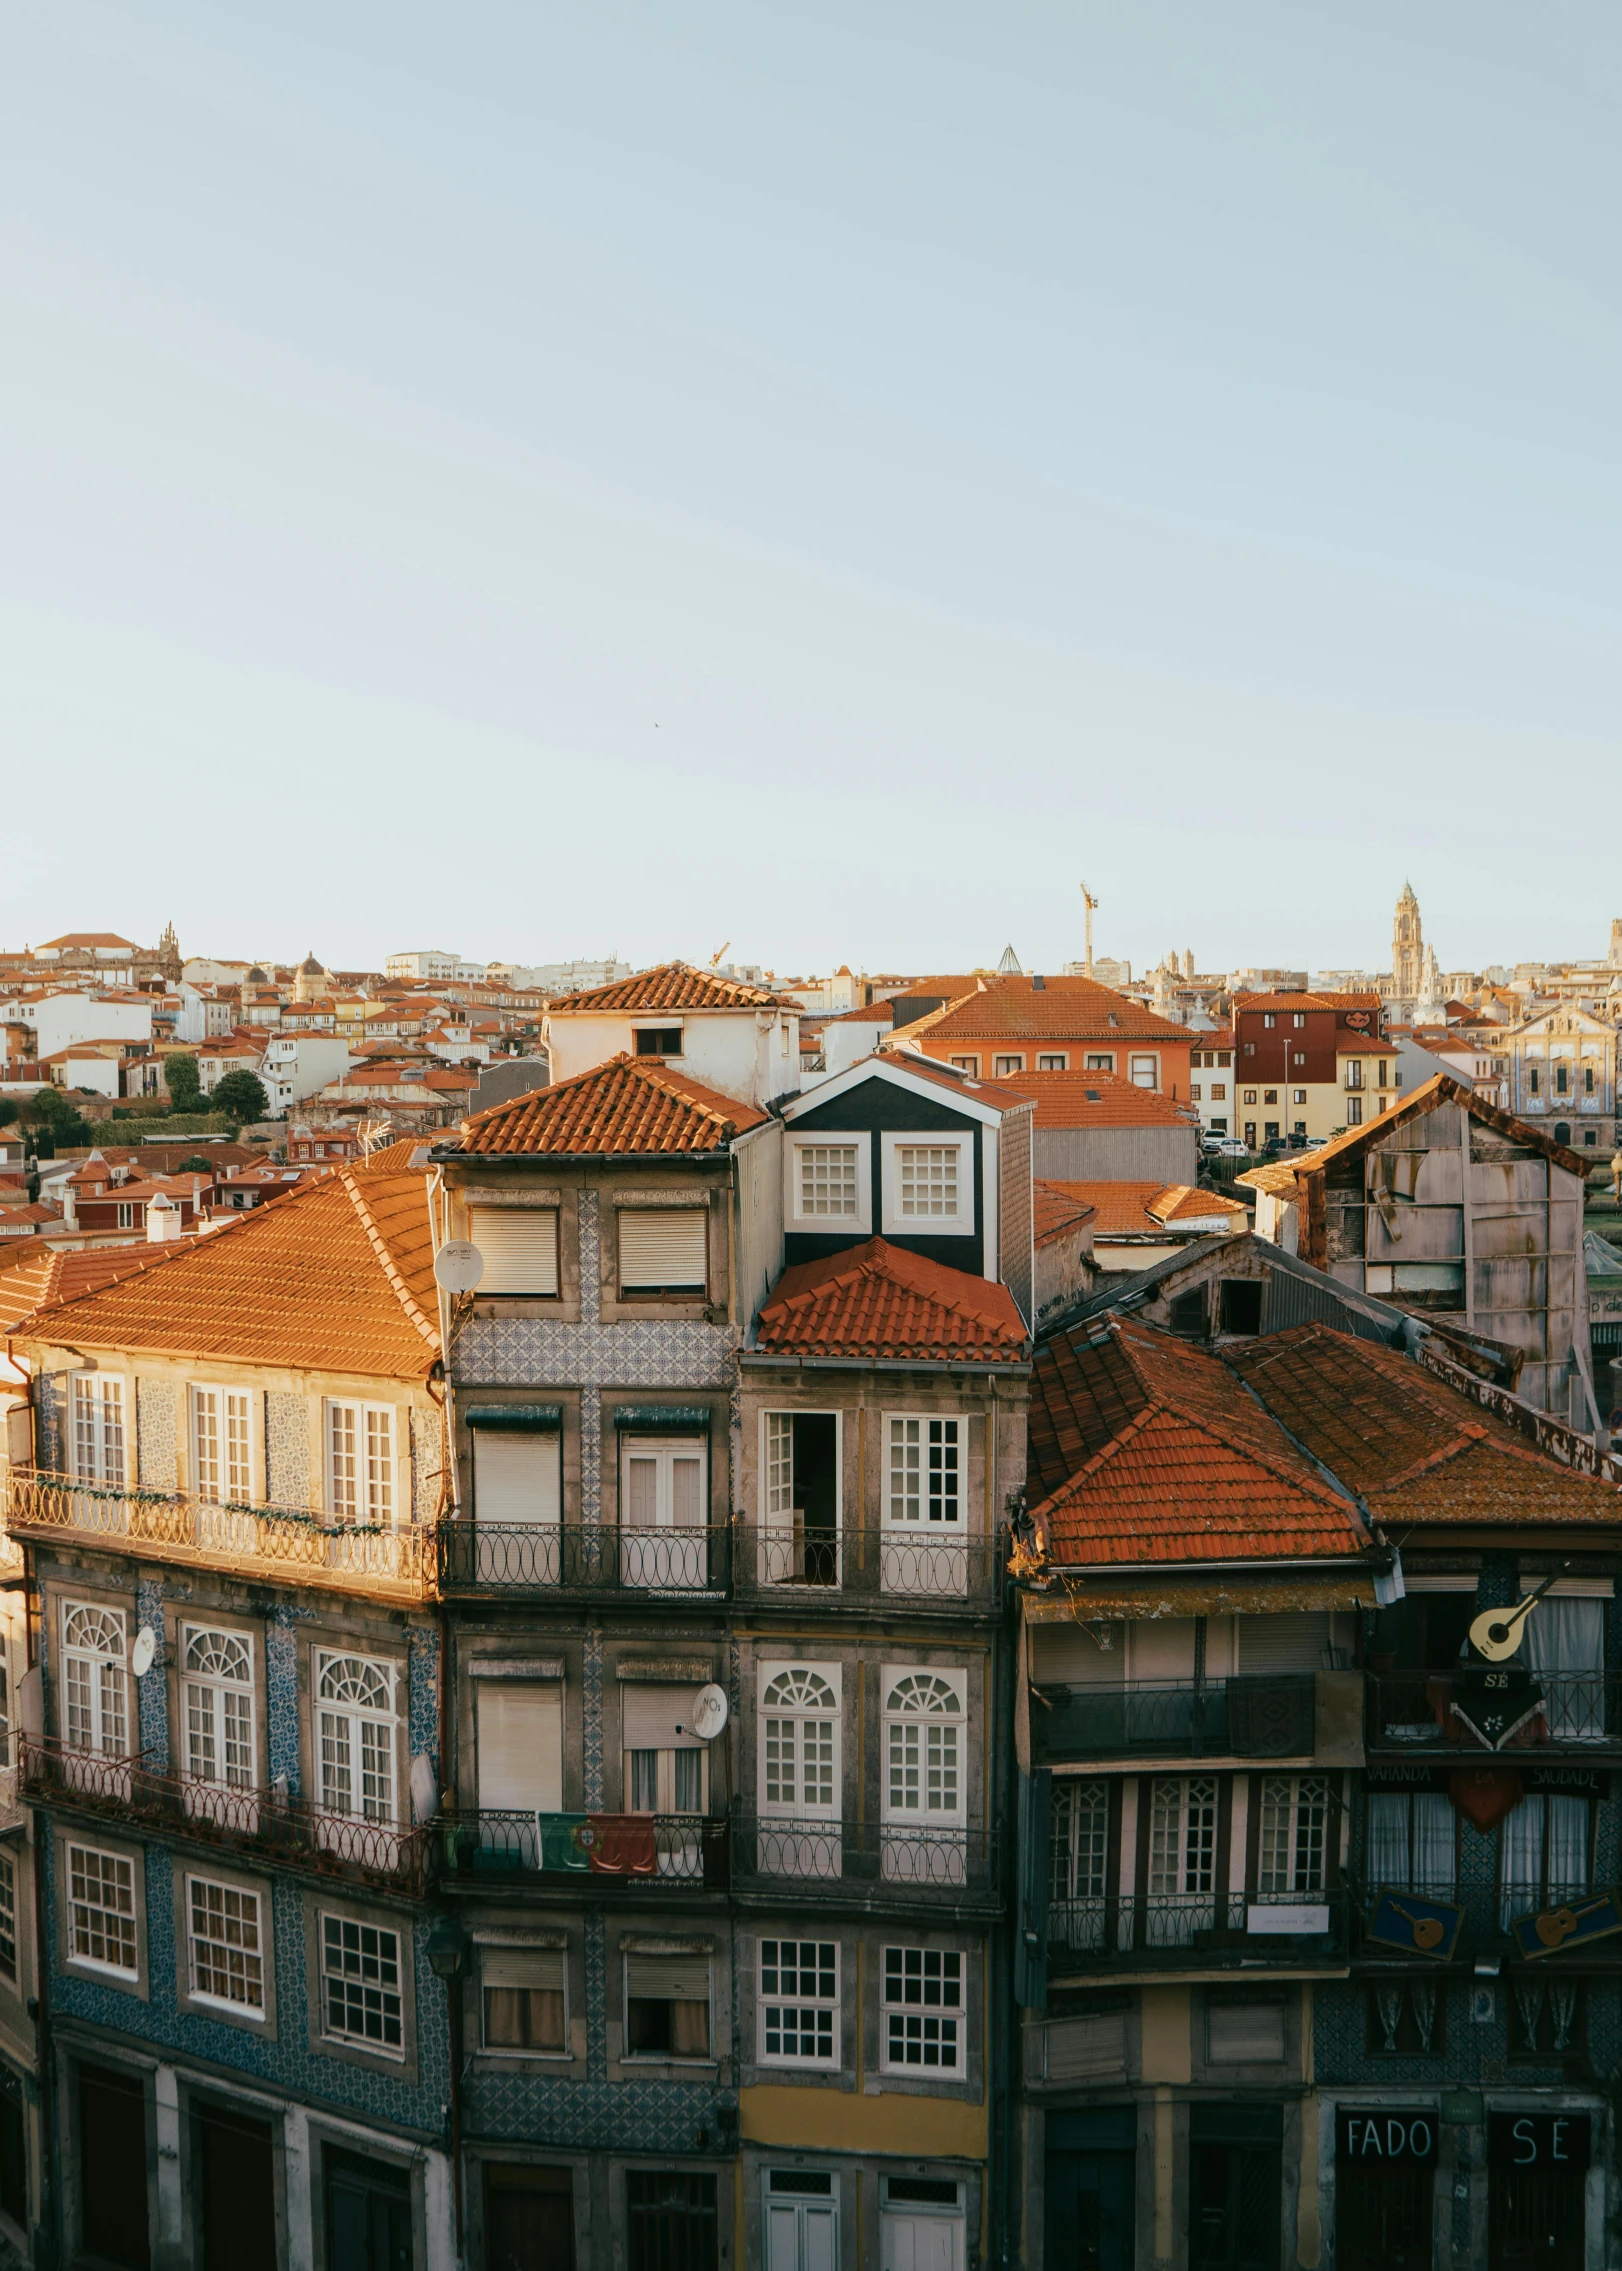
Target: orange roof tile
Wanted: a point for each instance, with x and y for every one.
(628, 1106)
(35, 1271)
(1179, 1202)
(1071, 1009)
(1416, 1449)
(335, 1277)
(1095, 1100)
(1314, 1000)
(878, 1301)
(1056, 1209)
(1151, 1451)
(673, 985)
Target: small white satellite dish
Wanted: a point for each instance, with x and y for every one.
(709, 1713)
(141, 1655)
(458, 1266)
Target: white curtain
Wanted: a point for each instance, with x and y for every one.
(1520, 1877)
(1565, 1646)
(1411, 1842)
(1434, 1846)
(1388, 1838)
(1568, 1844)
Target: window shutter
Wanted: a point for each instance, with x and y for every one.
(668, 1979)
(662, 1247)
(515, 1477)
(1295, 1641)
(520, 1725)
(520, 1248)
(652, 1715)
(539, 1969)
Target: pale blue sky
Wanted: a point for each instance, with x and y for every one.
(543, 480)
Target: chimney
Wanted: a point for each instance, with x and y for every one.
(162, 1220)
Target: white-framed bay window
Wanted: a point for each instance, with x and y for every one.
(800, 1768)
(922, 2011)
(829, 1178)
(928, 1183)
(97, 1428)
(798, 2014)
(360, 1460)
(222, 1444)
(925, 1763)
(924, 1503)
(664, 1491)
(95, 1679)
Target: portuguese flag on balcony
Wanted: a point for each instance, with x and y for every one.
(618, 1845)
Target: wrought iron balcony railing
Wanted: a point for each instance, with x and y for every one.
(1236, 1718)
(688, 1851)
(268, 1824)
(834, 1858)
(301, 1548)
(1170, 1929)
(778, 1561)
(1501, 1707)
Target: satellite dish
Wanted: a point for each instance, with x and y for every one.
(458, 1266)
(709, 1713)
(141, 1655)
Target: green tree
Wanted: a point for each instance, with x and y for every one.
(185, 1087)
(241, 1096)
(195, 1165)
(59, 1126)
(8, 1111)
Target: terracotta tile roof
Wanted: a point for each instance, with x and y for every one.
(1115, 1207)
(1056, 1209)
(1180, 1202)
(335, 1277)
(34, 1271)
(673, 985)
(1443, 1089)
(1152, 1451)
(1095, 1100)
(997, 1095)
(876, 1300)
(30, 1210)
(1276, 1002)
(1415, 1448)
(1275, 1175)
(631, 1105)
(1074, 1009)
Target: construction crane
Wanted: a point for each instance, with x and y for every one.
(1091, 904)
(716, 956)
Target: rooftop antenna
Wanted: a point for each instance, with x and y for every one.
(1091, 904)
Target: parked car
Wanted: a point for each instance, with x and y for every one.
(1226, 1147)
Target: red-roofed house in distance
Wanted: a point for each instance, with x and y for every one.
(1309, 1065)
(724, 1033)
(1014, 1025)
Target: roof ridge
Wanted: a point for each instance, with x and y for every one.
(157, 1256)
(390, 1268)
(1275, 1464)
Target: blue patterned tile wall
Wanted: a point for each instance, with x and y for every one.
(591, 1708)
(288, 2060)
(157, 1455)
(281, 1693)
(423, 1711)
(287, 1449)
(151, 1696)
(596, 2115)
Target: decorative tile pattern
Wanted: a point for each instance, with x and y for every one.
(591, 1708)
(596, 1996)
(155, 1433)
(591, 1455)
(151, 1693)
(422, 1723)
(281, 1694)
(50, 1402)
(507, 1351)
(287, 2062)
(287, 1449)
(597, 2115)
(427, 1461)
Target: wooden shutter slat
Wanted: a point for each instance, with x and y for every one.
(520, 1730)
(520, 1248)
(535, 1968)
(660, 1718)
(673, 1979)
(515, 1477)
(662, 1246)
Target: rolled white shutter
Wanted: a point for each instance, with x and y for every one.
(515, 1476)
(520, 1730)
(520, 1248)
(660, 1719)
(1295, 1640)
(668, 1979)
(535, 1968)
(662, 1246)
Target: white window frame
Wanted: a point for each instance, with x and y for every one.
(373, 2043)
(359, 1502)
(1100, 1060)
(789, 1555)
(957, 1225)
(914, 2011)
(1053, 1060)
(819, 2004)
(912, 1762)
(1007, 1064)
(357, 1721)
(252, 1957)
(799, 1707)
(532, 1218)
(859, 1224)
(95, 1680)
(224, 1705)
(704, 2057)
(74, 1850)
(1295, 1822)
(511, 1952)
(1140, 1061)
(98, 1428)
(229, 1413)
(926, 1524)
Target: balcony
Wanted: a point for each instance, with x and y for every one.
(1235, 1718)
(1460, 1714)
(855, 1567)
(841, 1859)
(262, 1541)
(496, 1848)
(265, 1825)
(1150, 1931)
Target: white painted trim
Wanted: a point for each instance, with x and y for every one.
(897, 1225)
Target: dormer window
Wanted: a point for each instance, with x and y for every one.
(658, 1040)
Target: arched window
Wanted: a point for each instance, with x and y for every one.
(923, 1719)
(358, 1733)
(94, 1679)
(218, 1682)
(799, 1744)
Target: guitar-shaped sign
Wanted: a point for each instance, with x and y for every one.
(1576, 1922)
(1429, 1931)
(1557, 1924)
(1497, 1633)
(1415, 1923)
